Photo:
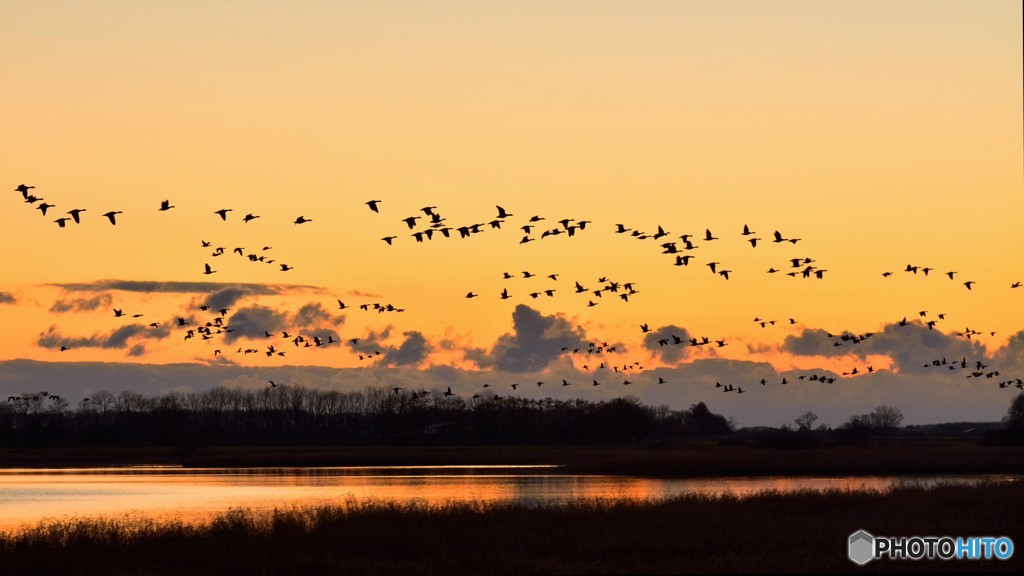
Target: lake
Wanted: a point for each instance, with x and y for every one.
(195, 494)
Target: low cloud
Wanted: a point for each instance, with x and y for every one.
(227, 296)
(313, 316)
(7, 298)
(411, 352)
(102, 300)
(535, 342)
(118, 338)
(911, 346)
(253, 321)
(663, 343)
(150, 286)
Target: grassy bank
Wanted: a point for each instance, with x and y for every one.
(802, 532)
(894, 457)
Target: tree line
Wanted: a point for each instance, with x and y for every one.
(295, 415)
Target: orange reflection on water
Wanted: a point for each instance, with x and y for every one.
(192, 495)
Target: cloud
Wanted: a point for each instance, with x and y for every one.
(137, 350)
(910, 346)
(361, 294)
(183, 287)
(536, 341)
(116, 339)
(251, 322)
(816, 342)
(413, 351)
(52, 339)
(102, 300)
(7, 298)
(371, 342)
(1011, 356)
(671, 352)
(227, 296)
(914, 345)
(313, 315)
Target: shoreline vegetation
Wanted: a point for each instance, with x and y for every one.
(923, 456)
(796, 532)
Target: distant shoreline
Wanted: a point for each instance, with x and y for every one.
(928, 457)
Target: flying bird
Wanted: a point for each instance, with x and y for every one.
(373, 205)
(302, 220)
(209, 270)
(111, 216)
(165, 206)
(249, 218)
(75, 214)
(223, 213)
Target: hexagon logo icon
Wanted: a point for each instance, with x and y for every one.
(861, 547)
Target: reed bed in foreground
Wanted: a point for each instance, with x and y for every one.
(797, 532)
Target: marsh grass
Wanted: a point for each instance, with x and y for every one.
(769, 531)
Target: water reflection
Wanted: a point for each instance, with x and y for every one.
(191, 494)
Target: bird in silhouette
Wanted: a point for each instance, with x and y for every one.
(165, 206)
(712, 265)
(388, 239)
(644, 328)
(223, 213)
(43, 206)
(502, 213)
(75, 214)
(707, 235)
(61, 221)
(504, 294)
(724, 273)
(778, 237)
(285, 267)
(1015, 285)
(272, 384)
(886, 274)
(747, 231)
(471, 295)
(969, 283)
(112, 216)
(373, 205)
(411, 221)
(209, 270)
(23, 188)
(249, 218)
(302, 220)
(448, 392)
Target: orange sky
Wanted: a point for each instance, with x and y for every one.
(880, 133)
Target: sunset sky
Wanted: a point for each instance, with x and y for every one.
(880, 133)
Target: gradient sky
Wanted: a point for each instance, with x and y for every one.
(881, 133)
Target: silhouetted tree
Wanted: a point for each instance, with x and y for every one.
(699, 421)
(806, 420)
(1014, 419)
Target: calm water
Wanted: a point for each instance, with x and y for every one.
(193, 494)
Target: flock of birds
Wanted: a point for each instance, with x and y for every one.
(431, 225)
